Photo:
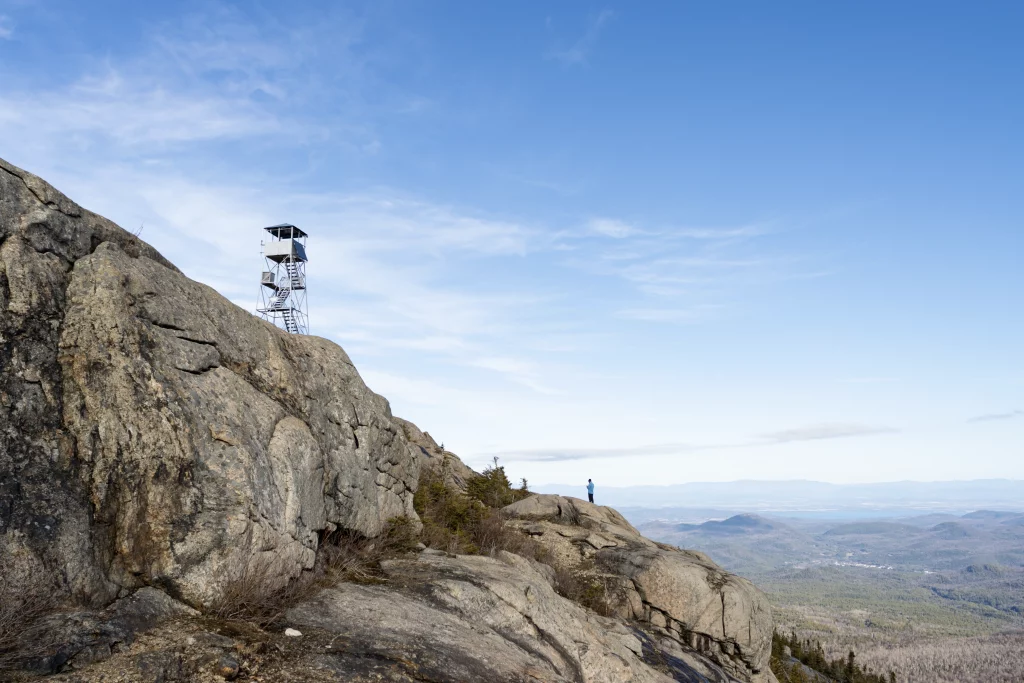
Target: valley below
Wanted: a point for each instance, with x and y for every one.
(936, 597)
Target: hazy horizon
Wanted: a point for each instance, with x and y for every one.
(808, 481)
(899, 498)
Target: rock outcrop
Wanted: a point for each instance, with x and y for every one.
(680, 595)
(155, 434)
(424, 448)
(436, 618)
(157, 443)
(470, 618)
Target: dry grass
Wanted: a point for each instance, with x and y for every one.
(27, 597)
(257, 595)
(133, 243)
(583, 587)
(493, 534)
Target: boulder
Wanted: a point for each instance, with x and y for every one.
(575, 512)
(153, 433)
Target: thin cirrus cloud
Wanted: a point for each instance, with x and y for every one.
(610, 227)
(691, 315)
(869, 380)
(992, 417)
(683, 274)
(579, 52)
(584, 453)
(213, 76)
(112, 108)
(825, 431)
(809, 433)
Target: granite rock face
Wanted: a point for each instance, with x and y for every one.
(157, 442)
(152, 433)
(681, 595)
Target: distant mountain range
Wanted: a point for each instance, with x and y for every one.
(907, 579)
(813, 498)
(752, 544)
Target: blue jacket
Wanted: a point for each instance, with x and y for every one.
(590, 487)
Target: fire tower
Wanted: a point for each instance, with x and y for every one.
(283, 284)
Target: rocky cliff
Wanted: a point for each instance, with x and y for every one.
(156, 434)
(157, 442)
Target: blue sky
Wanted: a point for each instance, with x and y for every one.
(643, 243)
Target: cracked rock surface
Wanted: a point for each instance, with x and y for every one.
(153, 433)
(436, 618)
(470, 618)
(679, 595)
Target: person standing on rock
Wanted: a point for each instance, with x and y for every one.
(590, 490)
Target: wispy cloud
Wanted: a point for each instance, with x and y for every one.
(825, 431)
(516, 369)
(215, 76)
(670, 315)
(583, 453)
(565, 187)
(425, 225)
(579, 52)
(809, 433)
(609, 227)
(998, 416)
(6, 27)
(684, 274)
(869, 380)
(724, 234)
(111, 109)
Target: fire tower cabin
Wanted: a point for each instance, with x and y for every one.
(283, 284)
